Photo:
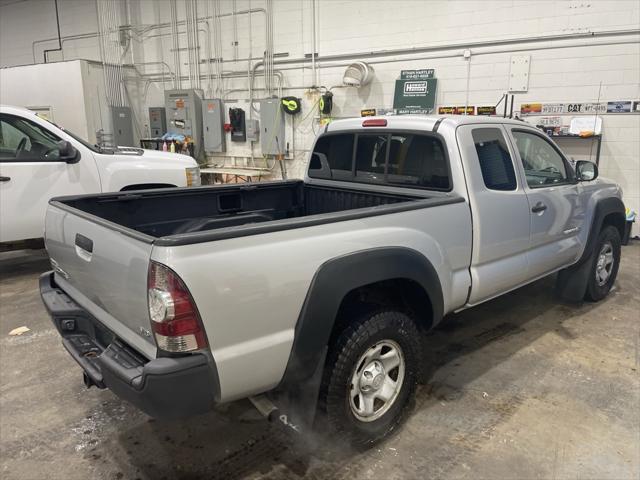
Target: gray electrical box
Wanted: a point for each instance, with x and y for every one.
(184, 114)
(122, 127)
(253, 130)
(213, 125)
(157, 121)
(271, 127)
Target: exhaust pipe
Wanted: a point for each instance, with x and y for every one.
(273, 413)
(86, 379)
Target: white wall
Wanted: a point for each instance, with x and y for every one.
(56, 85)
(563, 70)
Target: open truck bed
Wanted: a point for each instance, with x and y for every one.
(182, 216)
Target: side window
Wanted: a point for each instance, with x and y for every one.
(543, 165)
(371, 155)
(495, 162)
(332, 156)
(22, 140)
(418, 161)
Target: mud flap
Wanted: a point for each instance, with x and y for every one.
(293, 407)
(571, 284)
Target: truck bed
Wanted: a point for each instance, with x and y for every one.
(177, 216)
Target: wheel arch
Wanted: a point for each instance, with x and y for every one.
(571, 283)
(338, 280)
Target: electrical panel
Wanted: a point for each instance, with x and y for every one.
(184, 114)
(253, 130)
(238, 128)
(122, 127)
(213, 125)
(157, 121)
(272, 127)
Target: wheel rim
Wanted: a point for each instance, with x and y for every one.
(376, 381)
(604, 264)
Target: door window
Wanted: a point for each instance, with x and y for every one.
(543, 165)
(495, 162)
(22, 141)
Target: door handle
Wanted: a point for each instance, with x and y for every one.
(538, 207)
(84, 247)
(4, 179)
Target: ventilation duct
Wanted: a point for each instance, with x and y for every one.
(358, 75)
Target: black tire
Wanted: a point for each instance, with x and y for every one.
(596, 291)
(351, 344)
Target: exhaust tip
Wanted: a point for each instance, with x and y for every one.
(87, 380)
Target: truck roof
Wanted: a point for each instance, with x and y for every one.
(11, 109)
(419, 122)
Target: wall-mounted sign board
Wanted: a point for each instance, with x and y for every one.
(422, 74)
(586, 108)
(486, 110)
(415, 96)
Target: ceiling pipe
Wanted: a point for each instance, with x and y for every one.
(81, 36)
(59, 37)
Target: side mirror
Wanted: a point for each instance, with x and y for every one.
(586, 171)
(68, 152)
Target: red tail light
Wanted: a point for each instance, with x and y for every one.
(375, 122)
(174, 317)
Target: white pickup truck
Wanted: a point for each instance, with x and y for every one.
(294, 292)
(39, 160)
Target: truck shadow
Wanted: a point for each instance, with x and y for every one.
(235, 443)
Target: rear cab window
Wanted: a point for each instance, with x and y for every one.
(402, 159)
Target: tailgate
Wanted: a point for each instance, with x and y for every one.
(105, 272)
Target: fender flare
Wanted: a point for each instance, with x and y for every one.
(337, 277)
(571, 284)
(604, 207)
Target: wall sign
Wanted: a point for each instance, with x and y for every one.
(368, 112)
(486, 110)
(469, 110)
(526, 108)
(415, 92)
(589, 108)
(549, 121)
(457, 110)
(422, 74)
(618, 107)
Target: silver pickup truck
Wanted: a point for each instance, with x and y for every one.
(316, 290)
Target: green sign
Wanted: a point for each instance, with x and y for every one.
(421, 74)
(415, 96)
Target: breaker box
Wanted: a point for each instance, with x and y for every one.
(271, 127)
(213, 125)
(122, 127)
(253, 130)
(157, 121)
(184, 114)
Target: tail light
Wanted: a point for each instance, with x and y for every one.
(175, 321)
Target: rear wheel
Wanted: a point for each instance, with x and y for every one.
(605, 263)
(371, 375)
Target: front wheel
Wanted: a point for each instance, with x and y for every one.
(604, 267)
(371, 375)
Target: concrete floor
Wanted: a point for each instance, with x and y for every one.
(520, 387)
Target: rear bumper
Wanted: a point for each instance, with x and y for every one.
(166, 387)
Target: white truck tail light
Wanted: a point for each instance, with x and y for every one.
(175, 321)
